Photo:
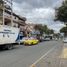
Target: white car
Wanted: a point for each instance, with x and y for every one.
(65, 40)
(47, 39)
(56, 39)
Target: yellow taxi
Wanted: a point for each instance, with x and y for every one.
(31, 41)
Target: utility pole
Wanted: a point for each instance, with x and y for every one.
(3, 12)
(11, 12)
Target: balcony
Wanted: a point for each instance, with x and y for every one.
(15, 20)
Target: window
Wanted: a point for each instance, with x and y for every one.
(15, 17)
(3, 35)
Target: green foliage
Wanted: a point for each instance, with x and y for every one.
(61, 12)
(1, 2)
(50, 31)
(64, 30)
(43, 29)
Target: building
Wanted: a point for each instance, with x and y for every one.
(29, 28)
(11, 19)
(17, 21)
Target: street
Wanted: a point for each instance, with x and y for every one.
(41, 27)
(24, 56)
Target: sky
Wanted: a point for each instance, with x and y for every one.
(39, 11)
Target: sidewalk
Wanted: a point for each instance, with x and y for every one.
(63, 57)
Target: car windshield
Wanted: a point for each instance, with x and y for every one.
(47, 36)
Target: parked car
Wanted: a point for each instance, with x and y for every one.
(56, 39)
(23, 39)
(65, 40)
(40, 38)
(30, 41)
(47, 38)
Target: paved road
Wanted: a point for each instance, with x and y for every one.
(24, 56)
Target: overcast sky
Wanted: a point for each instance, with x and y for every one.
(38, 11)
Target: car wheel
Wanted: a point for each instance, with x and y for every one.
(9, 47)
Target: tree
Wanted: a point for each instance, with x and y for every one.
(1, 4)
(43, 29)
(51, 31)
(39, 27)
(1, 1)
(61, 12)
(64, 30)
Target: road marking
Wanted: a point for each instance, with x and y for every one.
(33, 65)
